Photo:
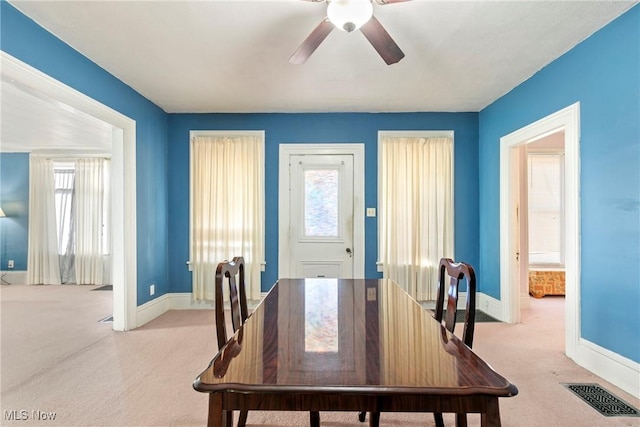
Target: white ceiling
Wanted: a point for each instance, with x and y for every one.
(232, 55)
(32, 121)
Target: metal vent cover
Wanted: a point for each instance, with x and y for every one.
(602, 400)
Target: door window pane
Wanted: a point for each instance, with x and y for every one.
(321, 203)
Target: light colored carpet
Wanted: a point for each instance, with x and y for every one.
(57, 357)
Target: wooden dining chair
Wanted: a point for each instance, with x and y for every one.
(453, 272)
(227, 272)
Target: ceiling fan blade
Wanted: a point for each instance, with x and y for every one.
(311, 43)
(382, 41)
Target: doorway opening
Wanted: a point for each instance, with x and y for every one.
(545, 218)
(514, 245)
(123, 164)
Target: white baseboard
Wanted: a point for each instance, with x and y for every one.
(18, 277)
(618, 370)
(152, 309)
(177, 301)
(185, 301)
(462, 302)
(489, 305)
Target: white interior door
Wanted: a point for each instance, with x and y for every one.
(321, 215)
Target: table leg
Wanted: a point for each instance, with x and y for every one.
(218, 417)
(314, 419)
(461, 420)
(374, 419)
(491, 418)
(242, 419)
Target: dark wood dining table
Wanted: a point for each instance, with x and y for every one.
(348, 345)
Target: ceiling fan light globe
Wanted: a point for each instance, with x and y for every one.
(349, 15)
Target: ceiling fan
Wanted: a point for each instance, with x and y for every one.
(351, 15)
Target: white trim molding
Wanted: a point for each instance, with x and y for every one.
(489, 305)
(185, 301)
(179, 301)
(415, 134)
(618, 370)
(567, 119)
(153, 309)
(172, 301)
(17, 277)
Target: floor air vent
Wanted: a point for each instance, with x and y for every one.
(603, 401)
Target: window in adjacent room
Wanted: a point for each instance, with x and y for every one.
(546, 211)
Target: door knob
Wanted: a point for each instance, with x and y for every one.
(349, 252)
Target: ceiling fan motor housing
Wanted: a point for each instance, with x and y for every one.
(348, 16)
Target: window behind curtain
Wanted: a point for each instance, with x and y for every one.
(416, 210)
(227, 207)
(68, 219)
(64, 180)
(546, 212)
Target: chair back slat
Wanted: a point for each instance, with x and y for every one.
(227, 271)
(455, 272)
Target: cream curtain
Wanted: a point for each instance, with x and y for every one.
(416, 211)
(42, 255)
(227, 209)
(89, 220)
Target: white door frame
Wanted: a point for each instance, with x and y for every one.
(123, 169)
(287, 150)
(569, 120)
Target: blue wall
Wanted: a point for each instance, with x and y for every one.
(320, 128)
(30, 43)
(14, 200)
(603, 74)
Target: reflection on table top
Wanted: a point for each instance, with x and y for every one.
(358, 335)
